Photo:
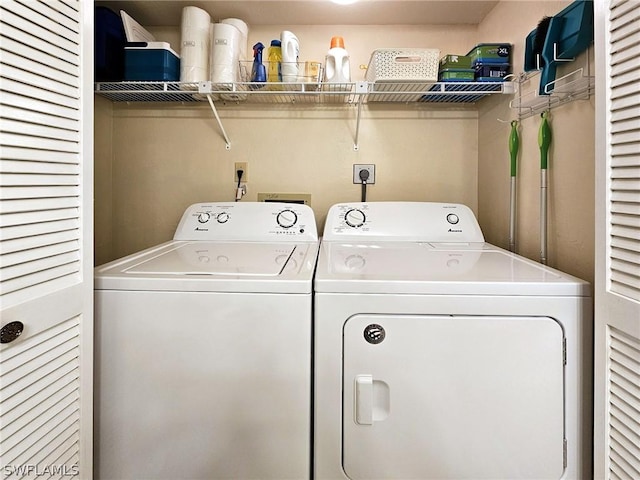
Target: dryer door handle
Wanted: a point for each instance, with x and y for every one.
(364, 399)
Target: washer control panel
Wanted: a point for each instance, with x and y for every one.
(247, 221)
(402, 221)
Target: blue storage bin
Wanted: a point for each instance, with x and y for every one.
(109, 42)
(151, 61)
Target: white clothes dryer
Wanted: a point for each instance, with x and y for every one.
(203, 349)
(440, 356)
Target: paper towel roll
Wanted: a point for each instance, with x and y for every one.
(195, 45)
(244, 32)
(225, 53)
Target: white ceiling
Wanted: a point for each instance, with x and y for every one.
(311, 12)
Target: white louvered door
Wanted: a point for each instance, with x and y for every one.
(46, 224)
(617, 296)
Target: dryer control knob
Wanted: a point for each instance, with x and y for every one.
(222, 217)
(204, 217)
(355, 218)
(452, 218)
(287, 218)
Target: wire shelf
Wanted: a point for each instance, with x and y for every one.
(573, 86)
(300, 93)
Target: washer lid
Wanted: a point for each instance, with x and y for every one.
(214, 267)
(206, 258)
(436, 268)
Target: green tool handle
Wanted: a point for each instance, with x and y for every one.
(544, 140)
(514, 145)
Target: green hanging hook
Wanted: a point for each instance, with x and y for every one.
(514, 145)
(544, 140)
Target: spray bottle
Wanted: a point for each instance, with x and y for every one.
(258, 72)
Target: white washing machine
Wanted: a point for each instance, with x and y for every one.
(203, 349)
(440, 356)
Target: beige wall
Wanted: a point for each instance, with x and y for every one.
(154, 161)
(571, 158)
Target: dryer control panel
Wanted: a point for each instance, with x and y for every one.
(247, 221)
(402, 221)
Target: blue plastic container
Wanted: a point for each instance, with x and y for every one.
(491, 72)
(152, 61)
(109, 42)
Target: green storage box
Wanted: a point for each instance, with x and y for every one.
(456, 75)
(455, 61)
(490, 53)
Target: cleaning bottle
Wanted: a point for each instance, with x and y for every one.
(275, 62)
(337, 69)
(258, 72)
(290, 52)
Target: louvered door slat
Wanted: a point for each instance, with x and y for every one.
(12, 193)
(35, 254)
(38, 105)
(37, 81)
(38, 131)
(33, 155)
(53, 12)
(53, 273)
(39, 228)
(30, 60)
(71, 4)
(620, 10)
(44, 264)
(32, 205)
(25, 244)
(37, 118)
(17, 179)
(43, 143)
(40, 417)
(30, 218)
(42, 45)
(626, 98)
(14, 85)
(32, 20)
(35, 167)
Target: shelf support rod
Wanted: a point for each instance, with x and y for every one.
(362, 88)
(215, 113)
(355, 144)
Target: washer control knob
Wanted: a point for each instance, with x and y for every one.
(204, 217)
(452, 218)
(355, 218)
(222, 217)
(287, 218)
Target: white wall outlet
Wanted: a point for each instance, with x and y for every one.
(369, 167)
(244, 166)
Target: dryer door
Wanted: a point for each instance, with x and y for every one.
(453, 397)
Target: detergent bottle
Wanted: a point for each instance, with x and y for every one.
(274, 73)
(290, 52)
(337, 69)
